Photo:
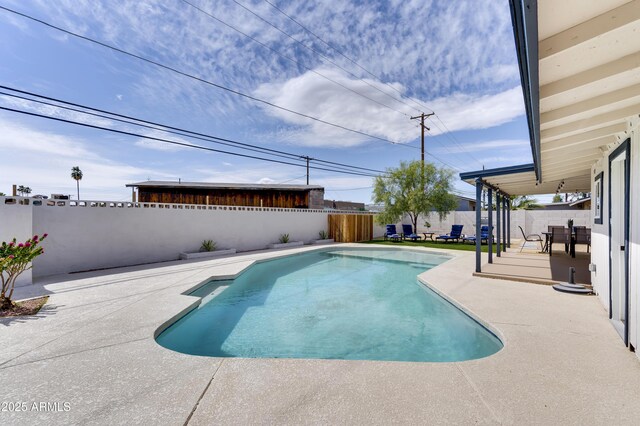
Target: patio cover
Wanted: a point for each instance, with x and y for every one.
(521, 180)
(580, 71)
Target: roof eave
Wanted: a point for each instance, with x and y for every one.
(524, 17)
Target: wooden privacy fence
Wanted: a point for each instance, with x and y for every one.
(350, 228)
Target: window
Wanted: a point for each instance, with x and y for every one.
(597, 199)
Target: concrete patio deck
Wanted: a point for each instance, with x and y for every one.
(93, 347)
(534, 267)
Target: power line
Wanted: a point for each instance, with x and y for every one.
(289, 58)
(202, 80)
(421, 105)
(339, 51)
(447, 133)
(323, 56)
(122, 132)
(174, 130)
(291, 180)
(348, 189)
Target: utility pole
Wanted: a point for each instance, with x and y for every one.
(422, 116)
(306, 157)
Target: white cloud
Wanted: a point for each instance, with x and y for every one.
(323, 99)
(462, 47)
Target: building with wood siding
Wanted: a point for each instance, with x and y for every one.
(229, 194)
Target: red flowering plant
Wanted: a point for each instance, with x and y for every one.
(15, 258)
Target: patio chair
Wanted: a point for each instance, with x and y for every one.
(583, 236)
(455, 234)
(484, 235)
(407, 232)
(391, 233)
(530, 238)
(560, 235)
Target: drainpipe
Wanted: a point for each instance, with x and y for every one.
(490, 211)
(478, 224)
(504, 223)
(498, 228)
(508, 223)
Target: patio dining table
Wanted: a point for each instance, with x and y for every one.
(569, 248)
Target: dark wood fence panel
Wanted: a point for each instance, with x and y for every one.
(280, 199)
(350, 228)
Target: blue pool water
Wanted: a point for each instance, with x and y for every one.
(337, 304)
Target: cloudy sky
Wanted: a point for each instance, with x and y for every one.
(332, 80)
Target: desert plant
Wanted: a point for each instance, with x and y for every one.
(208, 245)
(284, 238)
(15, 258)
(323, 235)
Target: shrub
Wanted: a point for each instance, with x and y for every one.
(284, 238)
(323, 235)
(208, 245)
(15, 258)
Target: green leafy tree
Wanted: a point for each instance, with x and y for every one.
(15, 258)
(414, 190)
(76, 174)
(557, 198)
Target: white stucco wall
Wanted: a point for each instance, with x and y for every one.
(600, 233)
(600, 236)
(85, 237)
(15, 222)
(634, 235)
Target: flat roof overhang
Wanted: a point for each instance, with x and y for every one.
(521, 180)
(580, 72)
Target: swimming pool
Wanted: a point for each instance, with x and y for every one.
(358, 304)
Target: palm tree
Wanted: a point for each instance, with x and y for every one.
(26, 190)
(523, 202)
(76, 174)
(21, 190)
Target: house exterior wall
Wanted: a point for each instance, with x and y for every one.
(600, 233)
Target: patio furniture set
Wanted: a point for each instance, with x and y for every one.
(570, 237)
(455, 235)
